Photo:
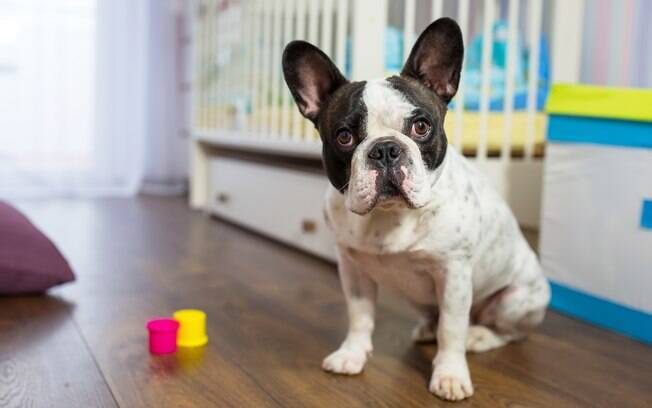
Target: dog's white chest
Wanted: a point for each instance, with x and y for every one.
(409, 274)
(404, 249)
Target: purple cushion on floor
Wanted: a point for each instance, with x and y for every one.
(29, 261)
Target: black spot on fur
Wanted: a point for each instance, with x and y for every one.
(345, 109)
(430, 108)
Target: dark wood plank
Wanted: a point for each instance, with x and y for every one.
(274, 313)
(43, 360)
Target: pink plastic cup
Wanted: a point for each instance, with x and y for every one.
(162, 335)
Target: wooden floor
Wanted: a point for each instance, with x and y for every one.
(273, 314)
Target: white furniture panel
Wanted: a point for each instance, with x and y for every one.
(280, 202)
(591, 234)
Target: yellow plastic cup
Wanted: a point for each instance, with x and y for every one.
(192, 330)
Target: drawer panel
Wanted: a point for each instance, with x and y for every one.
(283, 203)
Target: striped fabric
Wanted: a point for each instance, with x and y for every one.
(617, 48)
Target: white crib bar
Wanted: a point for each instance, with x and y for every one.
(326, 43)
(463, 21)
(288, 23)
(535, 9)
(210, 61)
(313, 21)
(207, 58)
(266, 75)
(369, 22)
(326, 38)
(340, 36)
(567, 20)
(249, 81)
(219, 72)
(408, 27)
(242, 74)
(437, 9)
(276, 66)
(257, 61)
(210, 66)
(234, 70)
(216, 71)
(300, 34)
(508, 107)
(313, 33)
(487, 46)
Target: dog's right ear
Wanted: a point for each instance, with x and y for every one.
(311, 76)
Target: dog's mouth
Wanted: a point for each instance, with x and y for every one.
(390, 193)
(389, 190)
(392, 196)
(396, 187)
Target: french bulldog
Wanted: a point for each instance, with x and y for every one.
(411, 213)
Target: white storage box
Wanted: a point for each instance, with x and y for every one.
(596, 227)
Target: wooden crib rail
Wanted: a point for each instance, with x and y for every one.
(239, 90)
(240, 99)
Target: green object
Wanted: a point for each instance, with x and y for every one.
(600, 102)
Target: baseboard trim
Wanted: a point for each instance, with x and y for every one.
(601, 312)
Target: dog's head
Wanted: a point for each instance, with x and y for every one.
(384, 139)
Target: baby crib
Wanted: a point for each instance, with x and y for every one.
(241, 102)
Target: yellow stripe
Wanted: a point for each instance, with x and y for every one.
(601, 102)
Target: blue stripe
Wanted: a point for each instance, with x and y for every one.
(599, 131)
(602, 312)
(646, 214)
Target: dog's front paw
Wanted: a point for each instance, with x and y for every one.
(450, 387)
(451, 380)
(345, 361)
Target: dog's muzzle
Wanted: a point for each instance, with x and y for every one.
(386, 173)
(387, 156)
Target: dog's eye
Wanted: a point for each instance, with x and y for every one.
(344, 138)
(420, 129)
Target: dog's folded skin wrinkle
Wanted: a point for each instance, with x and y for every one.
(410, 213)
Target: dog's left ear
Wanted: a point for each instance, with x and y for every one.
(436, 58)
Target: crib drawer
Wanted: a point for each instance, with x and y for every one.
(285, 204)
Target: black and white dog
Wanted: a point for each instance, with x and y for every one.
(408, 211)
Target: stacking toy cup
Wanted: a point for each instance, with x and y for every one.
(193, 327)
(162, 335)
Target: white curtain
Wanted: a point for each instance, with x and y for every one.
(89, 98)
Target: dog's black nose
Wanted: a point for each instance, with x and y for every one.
(385, 153)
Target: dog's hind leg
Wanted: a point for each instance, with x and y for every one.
(482, 338)
(425, 330)
(509, 315)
